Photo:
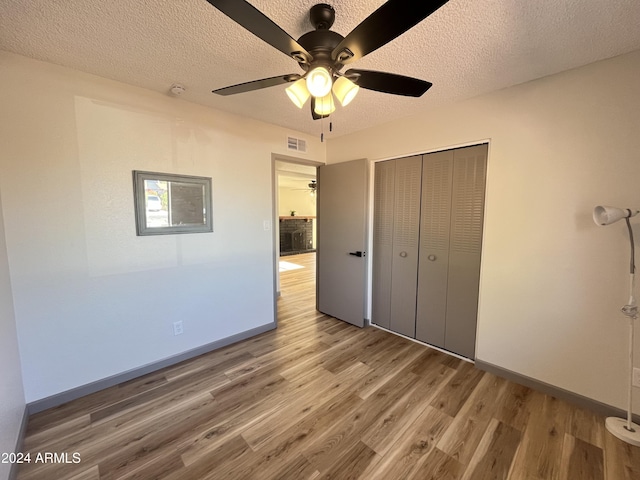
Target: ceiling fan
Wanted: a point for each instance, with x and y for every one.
(322, 53)
(311, 187)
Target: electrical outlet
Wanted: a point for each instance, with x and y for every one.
(178, 328)
(636, 377)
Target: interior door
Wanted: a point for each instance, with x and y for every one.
(342, 236)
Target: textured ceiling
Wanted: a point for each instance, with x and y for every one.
(295, 176)
(466, 48)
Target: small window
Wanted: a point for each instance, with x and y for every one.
(167, 203)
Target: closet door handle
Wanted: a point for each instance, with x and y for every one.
(432, 258)
(403, 254)
(357, 254)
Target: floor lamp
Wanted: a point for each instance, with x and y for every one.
(625, 430)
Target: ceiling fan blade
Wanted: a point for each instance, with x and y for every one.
(262, 27)
(388, 82)
(257, 84)
(389, 21)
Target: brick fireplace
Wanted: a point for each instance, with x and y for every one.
(296, 235)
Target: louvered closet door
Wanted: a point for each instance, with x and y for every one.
(435, 222)
(406, 236)
(467, 215)
(384, 186)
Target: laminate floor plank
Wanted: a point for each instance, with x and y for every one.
(412, 448)
(581, 460)
(438, 466)
(384, 432)
(303, 404)
(291, 443)
(461, 385)
(298, 469)
(319, 398)
(352, 464)
(90, 474)
(467, 430)
(540, 452)
(495, 453)
(344, 435)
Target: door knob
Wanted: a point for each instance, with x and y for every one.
(357, 254)
(432, 257)
(403, 254)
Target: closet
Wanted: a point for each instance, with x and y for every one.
(427, 240)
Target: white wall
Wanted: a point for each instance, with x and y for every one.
(91, 298)
(552, 282)
(12, 403)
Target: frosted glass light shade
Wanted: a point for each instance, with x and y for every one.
(319, 82)
(345, 90)
(325, 105)
(298, 92)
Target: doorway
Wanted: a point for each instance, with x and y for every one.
(295, 229)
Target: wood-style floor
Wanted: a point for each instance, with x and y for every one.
(317, 398)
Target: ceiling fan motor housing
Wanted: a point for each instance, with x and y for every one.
(320, 44)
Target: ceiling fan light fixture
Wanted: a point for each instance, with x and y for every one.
(298, 92)
(319, 82)
(345, 90)
(325, 105)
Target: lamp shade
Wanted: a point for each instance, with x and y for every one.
(325, 105)
(345, 90)
(298, 92)
(604, 215)
(319, 82)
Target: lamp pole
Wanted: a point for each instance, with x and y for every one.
(626, 431)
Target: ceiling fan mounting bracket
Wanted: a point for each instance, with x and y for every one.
(322, 16)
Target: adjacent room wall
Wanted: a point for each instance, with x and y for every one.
(12, 403)
(552, 282)
(91, 298)
(300, 201)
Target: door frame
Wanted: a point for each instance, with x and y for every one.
(275, 218)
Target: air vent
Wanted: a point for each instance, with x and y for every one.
(296, 144)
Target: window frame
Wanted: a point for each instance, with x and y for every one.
(139, 194)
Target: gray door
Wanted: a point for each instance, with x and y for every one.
(406, 234)
(382, 260)
(467, 218)
(435, 224)
(341, 269)
(395, 243)
(450, 247)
